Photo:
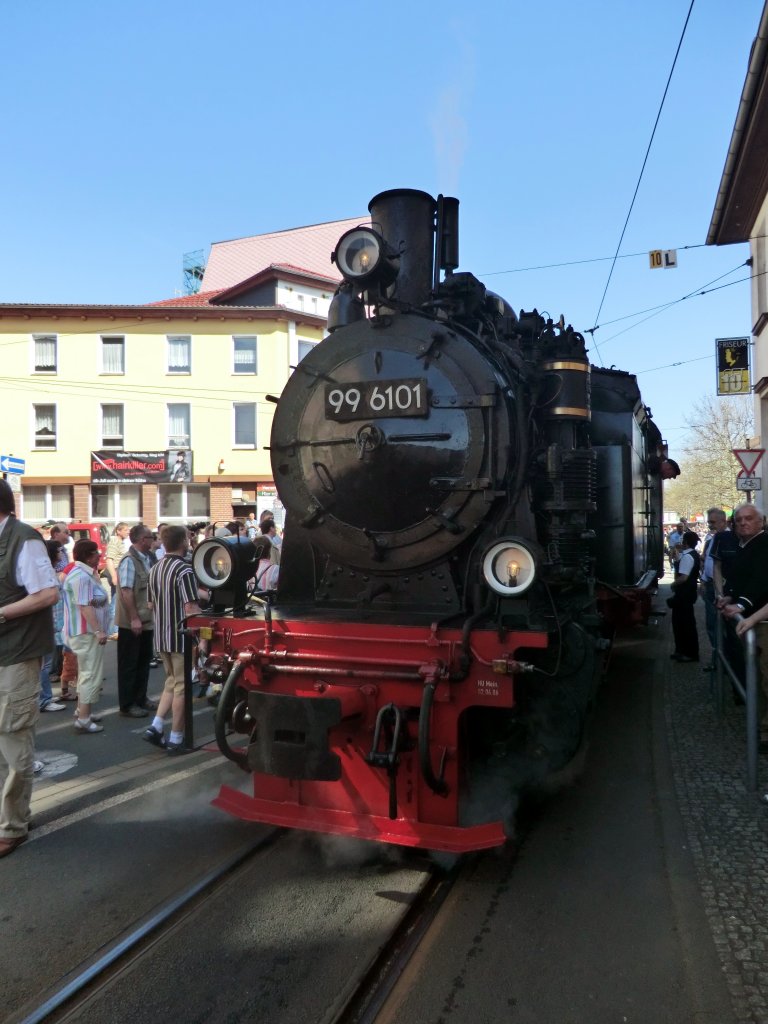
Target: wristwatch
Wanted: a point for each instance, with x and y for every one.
(3, 619)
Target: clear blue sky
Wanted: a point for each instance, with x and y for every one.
(134, 133)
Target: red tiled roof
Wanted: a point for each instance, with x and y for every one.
(220, 296)
(200, 299)
(309, 247)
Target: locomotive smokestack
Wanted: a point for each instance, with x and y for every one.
(406, 219)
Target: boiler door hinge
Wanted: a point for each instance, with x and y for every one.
(456, 483)
(462, 401)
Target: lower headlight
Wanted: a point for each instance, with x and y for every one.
(509, 567)
(215, 562)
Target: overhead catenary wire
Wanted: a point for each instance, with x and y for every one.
(593, 259)
(149, 393)
(642, 170)
(657, 310)
(161, 394)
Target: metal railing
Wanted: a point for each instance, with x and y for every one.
(747, 690)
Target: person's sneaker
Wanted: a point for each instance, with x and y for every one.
(94, 718)
(148, 705)
(154, 663)
(37, 767)
(155, 737)
(53, 705)
(89, 726)
(134, 712)
(176, 749)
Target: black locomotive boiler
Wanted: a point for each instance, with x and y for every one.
(470, 508)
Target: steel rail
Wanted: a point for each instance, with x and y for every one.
(85, 975)
(366, 1002)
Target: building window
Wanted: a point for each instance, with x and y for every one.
(41, 504)
(112, 430)
(178, 425)
(245, 355)
(113, 355)
(45, 426)
(183, 502)
(179, 354)
(112, 503)
(305, 347)
(245, 424)
(45, 353)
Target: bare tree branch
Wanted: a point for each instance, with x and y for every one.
(709, 469)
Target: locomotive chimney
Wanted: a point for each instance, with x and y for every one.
(406, 219)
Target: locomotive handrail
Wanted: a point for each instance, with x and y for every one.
(436, 783)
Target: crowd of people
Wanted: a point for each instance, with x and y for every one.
(731, 573)
(59, 608)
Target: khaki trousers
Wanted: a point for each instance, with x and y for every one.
(90, 666)
(19, 711)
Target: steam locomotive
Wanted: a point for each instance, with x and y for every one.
(471, 509)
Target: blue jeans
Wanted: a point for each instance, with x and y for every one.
(46, 693)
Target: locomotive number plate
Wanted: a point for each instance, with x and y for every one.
(367, 399)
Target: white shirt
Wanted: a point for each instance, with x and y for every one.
(685, 565)
(34, 571)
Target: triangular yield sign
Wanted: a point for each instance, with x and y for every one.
(749, 459)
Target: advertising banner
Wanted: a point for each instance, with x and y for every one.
(172, 466)
(733, 366)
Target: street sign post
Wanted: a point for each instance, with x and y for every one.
(9, 464)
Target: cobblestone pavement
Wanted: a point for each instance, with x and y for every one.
(727, 828)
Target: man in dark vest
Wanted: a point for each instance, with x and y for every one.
(135, 626)
(28, 591)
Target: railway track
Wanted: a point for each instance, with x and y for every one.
(79, 994)
(64, 1001)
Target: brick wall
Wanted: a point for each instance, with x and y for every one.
(80, 495)
(221, 502)
(149, 505)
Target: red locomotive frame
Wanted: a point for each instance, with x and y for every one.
(367, 668)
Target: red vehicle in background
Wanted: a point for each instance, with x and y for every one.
(96, 532)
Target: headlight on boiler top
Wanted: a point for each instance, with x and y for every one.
(509, 567)
(358, 253)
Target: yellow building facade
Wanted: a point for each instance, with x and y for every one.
(93, 396)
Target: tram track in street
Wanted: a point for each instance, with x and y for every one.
(374, 988)
(64, 1001)
(80, 994)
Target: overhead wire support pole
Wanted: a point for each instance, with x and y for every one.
(640, 178)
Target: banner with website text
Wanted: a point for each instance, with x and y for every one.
(171, 466)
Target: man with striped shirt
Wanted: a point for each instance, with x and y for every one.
(173, 594)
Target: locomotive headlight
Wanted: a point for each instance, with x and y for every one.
(509, 567)
(216, 562)
(362, 257)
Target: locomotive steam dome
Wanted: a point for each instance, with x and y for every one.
(384, 443)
